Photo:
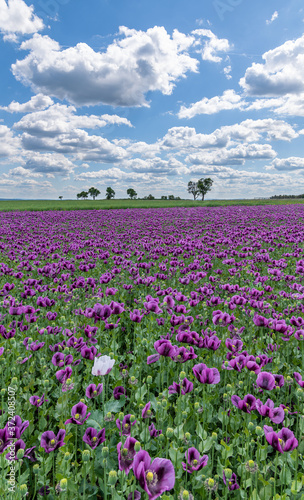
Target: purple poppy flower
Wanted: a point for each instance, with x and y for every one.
(266, 381)
(37, 400)
(125, 425)
(153, 431)
(136, 316)
(146, 412)
(260, 320)
(20, 445)
(212, 343)
(135, 495)
(92, 391)
(282, 441)
(93, 437)
(279, 380)
(181, 354)
(44, 491)
(185, 387)
(298, 379)
(206, 375)
(154, 477)
(78, 413)
(1, 350)
(194, 461)
(299, 335)
(15, 427)
(5, 440)
(50, 442)
(232, 482)
(126, 454)
(88, 352)
(276, 415)
(234, 344)
(111, 326)
(164, 348)
(247, 404)
(119, 391)
(153, 358)
(63, 375)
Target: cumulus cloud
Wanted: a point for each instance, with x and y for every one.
(61, 119)
(50, 163)
(288, 164)
(212, 46)
(233, 156)
(22, 172)
(282, 72)
(130, 67)
(36, 103)
(227, 101)
(9, 144)
(16, 17)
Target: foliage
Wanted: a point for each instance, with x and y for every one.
(131, 193)
(110, 193)
(93, 192)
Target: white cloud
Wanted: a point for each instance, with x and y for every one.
(16, 17)
(291, 163)
(22, 172)
(212, 46)
(121, 76)
(274, 16)
(233, 156)
(36, 103)
(9, 145)
(281, 74)
(50, 163)
(227, 101)
(61, 119)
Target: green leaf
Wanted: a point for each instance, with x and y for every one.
(115, 405)
(141, 392)
(176, 456)
(295, 490)
(207, 444)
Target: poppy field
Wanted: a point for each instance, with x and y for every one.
(152, 353)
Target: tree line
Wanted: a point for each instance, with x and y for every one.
(199, 188)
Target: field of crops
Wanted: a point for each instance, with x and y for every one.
(152, 353)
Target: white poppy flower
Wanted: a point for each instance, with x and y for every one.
(102, 365)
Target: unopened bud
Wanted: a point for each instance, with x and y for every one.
(149, 380)
(228, 473)
(132, 418)
(23, 488)
(121, 416)
(85, 455)
(63, 484)
(36, 469)
(137, 446)
(105, 451)
(20, 453)
(259, 431)
(164, 403)
(169, 432)
(112, 477)
(182, 375)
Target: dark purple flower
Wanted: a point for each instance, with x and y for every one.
(276, 415)
(185, 387)
(232, 482)
(126, 454)
(153, 431)
(206, 375)
(153, 358)
(194, 461)
(79, 415)
(164, 348)
(181, 354)
(155, 477)
(266, 381)
(135, 495)
(92, 391)
(93, 437)
(44, 491)
(20, 445)
(279, 380)
(260, 320)
(146, 412)
(15, 427)
(282, 441)
(298, 379)
(63, 375)
(125, 425)
(299, 335)
(119, 391)
(247, 404)
(50, 442)
(37, 400)
(5, 439)
(136, 316)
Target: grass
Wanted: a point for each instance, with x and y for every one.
(38, 205)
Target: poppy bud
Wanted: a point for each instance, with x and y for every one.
(214, 436)
(185, 495)
(132, 418)
(164, 403)
(121, 416)
(112, 477)
(228, 473)
(259, 431)
(187, 435)
(20, 453)
(228, 387)
(46, 382)
(85, 455)
(14, 381)
(36, 469)
(137, 446)
(169, 432)
(63, 484)
(149, 380)
(67, 456)
(23, 488)
(251, 426)
(105, 451)
(184, 414)
(82, 401)
(182, 375)
(196, 405)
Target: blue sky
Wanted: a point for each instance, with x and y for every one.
(151, 95)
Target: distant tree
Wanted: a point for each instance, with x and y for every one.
(164, 198)
(83, 194)
(132, 193)
(204, 185)
(171, 197)
(150, 197)
(94, 192)
(193, 189)
(60, 197)
(110, 193)
(177, 198)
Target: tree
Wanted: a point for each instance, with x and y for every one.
(204, 185)
(60, 197)
(150, 197)
(193, 189)
(164, 198)
(110, 193)
(132, 193)
(94, 192)
(83, 194)
(171, 197)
